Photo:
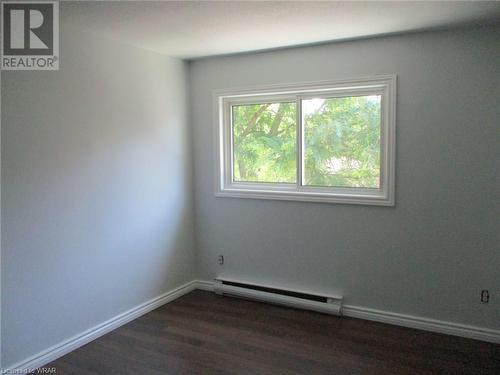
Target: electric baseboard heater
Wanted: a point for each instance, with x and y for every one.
(298, 299)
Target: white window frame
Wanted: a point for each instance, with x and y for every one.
(378, 85)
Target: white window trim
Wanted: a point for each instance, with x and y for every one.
(224, 185)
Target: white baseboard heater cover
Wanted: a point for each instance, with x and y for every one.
(297, 299)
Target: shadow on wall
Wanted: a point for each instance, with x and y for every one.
(96, 190)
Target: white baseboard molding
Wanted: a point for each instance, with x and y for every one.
(207, 286)
(409, 321)
(425, 324)
(57, 351)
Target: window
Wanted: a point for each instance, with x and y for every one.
(325, 142)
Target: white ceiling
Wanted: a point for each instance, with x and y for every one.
(192, 29)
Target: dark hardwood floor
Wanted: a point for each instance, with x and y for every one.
(202, 333)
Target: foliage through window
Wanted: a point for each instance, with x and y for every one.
(342, 141)
(264, 142)
(319, 142)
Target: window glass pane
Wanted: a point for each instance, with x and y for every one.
(264, 142)
(342, 141)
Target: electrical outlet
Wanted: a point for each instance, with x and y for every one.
(221, 259)
(485, 296)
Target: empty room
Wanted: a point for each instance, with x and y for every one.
(250, 187)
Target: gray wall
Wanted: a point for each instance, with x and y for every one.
(96, 190)
(431, 254)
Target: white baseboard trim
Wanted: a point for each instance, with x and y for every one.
(57, 351)
(66, 346)
(207, 286)
(409, 321)
(425, 324)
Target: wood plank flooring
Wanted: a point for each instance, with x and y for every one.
(202, 333)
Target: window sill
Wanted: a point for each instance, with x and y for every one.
(376, 198)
